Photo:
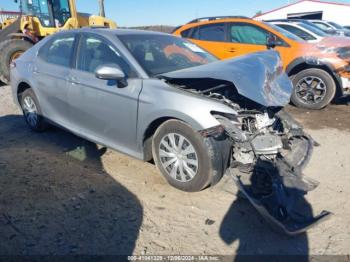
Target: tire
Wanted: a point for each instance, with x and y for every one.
(33, 117)
(205, 154)
(10, 49)
(310, 78)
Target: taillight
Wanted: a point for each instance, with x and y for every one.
(13, 64)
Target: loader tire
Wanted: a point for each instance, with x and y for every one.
(10, 49)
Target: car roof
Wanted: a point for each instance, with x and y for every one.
(227, 19)
(317, 20)
(216, 18)
(211, 19)
(297, 24)
(107, 31)
(285, 22)
(294, 20)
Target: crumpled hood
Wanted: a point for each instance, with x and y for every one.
(258, 77)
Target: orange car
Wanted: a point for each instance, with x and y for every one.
(319, 72)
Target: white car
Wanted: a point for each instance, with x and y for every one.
(331, 27)
(305, 31)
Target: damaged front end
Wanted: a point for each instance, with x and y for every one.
(268, 158)
(268, 148)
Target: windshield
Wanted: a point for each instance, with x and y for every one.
(313, 29)
(286, 33)
(159, 54)
(51, 13)
(336, 25)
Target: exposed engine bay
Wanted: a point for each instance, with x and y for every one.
(269, 150)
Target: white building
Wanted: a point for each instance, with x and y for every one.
(8, 14)
(311, 9)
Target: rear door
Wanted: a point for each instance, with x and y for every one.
(102, 111)
(213, 38)
(50, 74)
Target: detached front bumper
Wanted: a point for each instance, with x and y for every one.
(346, 85)
(277, 188)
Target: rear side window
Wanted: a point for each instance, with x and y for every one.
(212, 32)
(298, 32)
(58, 51)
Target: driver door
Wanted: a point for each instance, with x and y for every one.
(246, 38)
(102, 111)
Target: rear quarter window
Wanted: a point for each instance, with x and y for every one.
(186, 33)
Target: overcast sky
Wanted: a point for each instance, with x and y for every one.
(169, 12)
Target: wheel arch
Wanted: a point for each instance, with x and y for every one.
(21, 87)
(301, 64)
(148, 135)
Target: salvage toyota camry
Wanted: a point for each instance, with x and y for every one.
(157, 96)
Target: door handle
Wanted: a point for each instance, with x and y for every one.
(73, 80)
(35, 70)
(231, 50)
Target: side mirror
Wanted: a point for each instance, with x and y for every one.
(111, 72)
(271, 41)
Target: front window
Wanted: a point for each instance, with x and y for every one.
(248, 34)
(95, 52)
(159, 54)
(51, 13)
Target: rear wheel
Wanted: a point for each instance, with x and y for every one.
(182, 156)
(10, 50)
(31, 111)
(313, 89)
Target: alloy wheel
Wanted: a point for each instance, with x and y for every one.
(30, 111)
(311, 89)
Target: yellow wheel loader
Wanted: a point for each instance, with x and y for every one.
(38, 19)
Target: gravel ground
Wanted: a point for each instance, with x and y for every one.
(62, 195)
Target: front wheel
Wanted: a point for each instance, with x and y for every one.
(182, 156)
(313, 89)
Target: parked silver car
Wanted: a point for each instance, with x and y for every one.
(157, 96)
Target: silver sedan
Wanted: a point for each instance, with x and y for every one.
(157, 96)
